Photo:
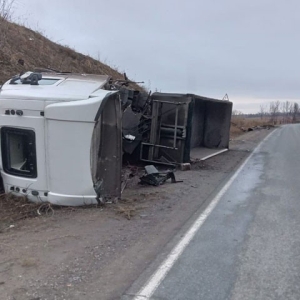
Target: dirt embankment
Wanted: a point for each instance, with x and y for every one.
(97, 253)
(23, 49)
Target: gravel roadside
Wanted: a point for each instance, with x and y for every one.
(97, 253)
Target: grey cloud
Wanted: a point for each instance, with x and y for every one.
(243, 48)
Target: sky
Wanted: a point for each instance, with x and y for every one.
(246, 49)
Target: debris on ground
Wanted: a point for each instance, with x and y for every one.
(185, 167)
(154, 177)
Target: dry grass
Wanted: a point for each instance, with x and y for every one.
(235, 130)
(240, 124)
(38, 51)
(16, 208)
(129, 207)
(128, 211)
(28, 263)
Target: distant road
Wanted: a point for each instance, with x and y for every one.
(246, 244)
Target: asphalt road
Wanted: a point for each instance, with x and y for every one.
(247, 244)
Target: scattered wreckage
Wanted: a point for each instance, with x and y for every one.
(154, 177)
(63, 135)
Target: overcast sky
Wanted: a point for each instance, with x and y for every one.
(247, 49)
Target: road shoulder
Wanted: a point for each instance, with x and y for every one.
(90, 252)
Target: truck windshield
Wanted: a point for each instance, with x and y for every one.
(18, 152)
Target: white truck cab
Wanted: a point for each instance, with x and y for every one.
(60, 138)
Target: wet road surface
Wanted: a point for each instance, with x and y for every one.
(248, 243)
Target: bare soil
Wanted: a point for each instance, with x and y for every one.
(37, 51)
(98, 252)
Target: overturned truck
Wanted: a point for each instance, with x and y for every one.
(63, 135)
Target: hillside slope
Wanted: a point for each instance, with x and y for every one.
(35, 50)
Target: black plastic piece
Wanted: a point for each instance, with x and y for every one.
(35, 193)
(24, 191)
(19, 112)
(35, 77)
(14, 79)
(154, 177)
(12, 188)
(42, 113)
(45, 194)
(12, 112)
(32, 79)
(17, 189)
(7, 112)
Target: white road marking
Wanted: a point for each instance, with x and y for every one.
(155, 280)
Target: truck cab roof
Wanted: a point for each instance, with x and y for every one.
(54, 86)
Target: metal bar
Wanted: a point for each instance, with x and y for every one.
(159, 113)
(159, 146)
(214, 154)
(171, 126)
(153, 132)
(153, 161)
(160, 162)
(169, 136)
(171, 102)
(175, 131)
(141, 152)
